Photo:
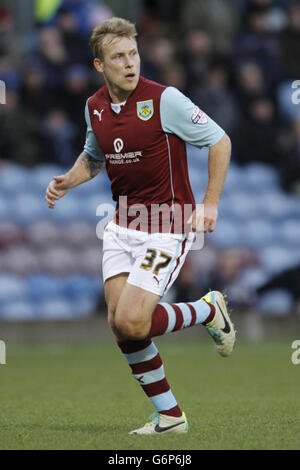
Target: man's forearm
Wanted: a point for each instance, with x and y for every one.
(218, 161)
(84, 169)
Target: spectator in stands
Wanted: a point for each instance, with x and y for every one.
(250, 83)
(290, 166)
(290, 42)
(257, 136)
(195, 56)
(75, 43)
(46, 73)
(88, 13)
(7, 39)
(215, 96)
(289, 280)
(258, 41)
(52, 54)
(35, 94)
(159, 58)
(218, 18)
(74, 92)
(8, 73)
(20, 136)
(59, 134)
(227, 276)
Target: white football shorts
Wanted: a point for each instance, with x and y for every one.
(153, 261)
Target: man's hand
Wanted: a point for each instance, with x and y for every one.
(204, 218)
(210, 216)
(57, 188)
(84, 169)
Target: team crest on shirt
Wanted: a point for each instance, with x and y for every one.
(145, 109)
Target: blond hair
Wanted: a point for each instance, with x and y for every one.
(114, 26)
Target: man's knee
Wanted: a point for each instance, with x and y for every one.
(132, 328)
(124, 327)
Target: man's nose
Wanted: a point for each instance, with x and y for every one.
(129, 61)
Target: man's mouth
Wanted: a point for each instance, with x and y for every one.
(130, 76)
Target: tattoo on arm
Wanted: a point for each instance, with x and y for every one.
(91, 164)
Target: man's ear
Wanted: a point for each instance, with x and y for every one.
(98, 64)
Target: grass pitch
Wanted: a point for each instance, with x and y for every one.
(83, 397)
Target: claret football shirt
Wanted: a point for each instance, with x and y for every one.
(143, 143)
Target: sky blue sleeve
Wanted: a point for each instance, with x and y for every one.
(91, 145)
(180, 116)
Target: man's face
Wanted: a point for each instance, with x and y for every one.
(121, 62)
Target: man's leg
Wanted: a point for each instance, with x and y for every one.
(140, 316)
(135, 316)
(210, 311)
(113, 289)
(132, 321)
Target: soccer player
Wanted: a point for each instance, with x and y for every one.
(139, 129)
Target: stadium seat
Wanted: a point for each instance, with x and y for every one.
(276, 258)
(294, 207)
(55, 309)
(276, 205)
(198, 180)
(5, 211)
(226, 235)
(14, 178)
(91, 203)
(18, 310)
(20, 259)
(44, 233)
(234, 179)
(276, 302)
(259, 176)
(254, 277)
(197, 158)
(89, 259)
(80, 285)
(259, 233)
(241, 205)
(289, 233)
(43, 174)
(44, 286)
(84, 306)
(59, 260)
(27, 208)
(10, 233)
(12, 287)
(67, 209)
(79, 233)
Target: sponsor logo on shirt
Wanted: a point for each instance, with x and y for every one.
(96, 113)
(118, 144)
(145, 109)
(122, 158)
(198, 116)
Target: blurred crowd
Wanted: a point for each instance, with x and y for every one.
(237, 59)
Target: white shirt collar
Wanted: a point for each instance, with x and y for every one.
(116, 107)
